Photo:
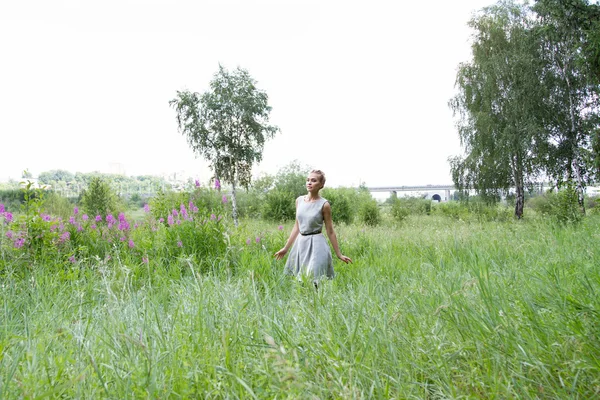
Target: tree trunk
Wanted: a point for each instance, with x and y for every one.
(234, 212)
(520, 199)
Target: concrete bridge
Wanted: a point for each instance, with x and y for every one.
(433, 192)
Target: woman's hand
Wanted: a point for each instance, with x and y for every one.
(345, 259)
(280, 254)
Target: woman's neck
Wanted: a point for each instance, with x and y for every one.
(312, 197)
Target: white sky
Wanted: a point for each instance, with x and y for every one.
(359, 88)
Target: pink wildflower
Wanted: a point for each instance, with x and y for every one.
(280, 227)
(213, 217)
(1, 208)
(76, 210)
(93, 226)
(197, 183)
(217, 184)
(72, 259)
(122, 238)
(170, 220)
(161, 220)
(98, 218)
(131, 244)
(224, 199)
(248, 241)
(72, 220)
(146, 208)
(145, 259)
(179, 244)
(258, 239)
(19, 243)
(9, 234)
(8, 216)
(84, 217)
(65, 236)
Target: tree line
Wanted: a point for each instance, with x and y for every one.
(528, 100)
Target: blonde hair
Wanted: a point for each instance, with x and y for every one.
(321, 175)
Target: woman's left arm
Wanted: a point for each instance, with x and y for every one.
(331, 233)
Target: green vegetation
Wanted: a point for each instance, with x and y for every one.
(461, 303)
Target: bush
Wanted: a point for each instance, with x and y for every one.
(399, 210)
(369, 213)
(561, 206)
(280, 206)
(57, 205)
(341, 204)
(99, 199)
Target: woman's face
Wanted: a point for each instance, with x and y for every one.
(313, 183)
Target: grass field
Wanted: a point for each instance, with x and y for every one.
(435, 308)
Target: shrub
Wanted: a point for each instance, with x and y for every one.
(369, 213)
(99, 198)
(399, 210)
(280, 205)
(341, 204)
(561, 206)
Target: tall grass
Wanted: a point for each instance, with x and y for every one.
(435, 308)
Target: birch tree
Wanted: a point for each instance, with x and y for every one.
(227, 125)
(500, 106)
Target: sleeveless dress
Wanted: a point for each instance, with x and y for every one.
(310, 255)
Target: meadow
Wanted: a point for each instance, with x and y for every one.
(432, 308)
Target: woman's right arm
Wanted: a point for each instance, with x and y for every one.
(293, 235)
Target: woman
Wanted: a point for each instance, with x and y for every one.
(310, 253)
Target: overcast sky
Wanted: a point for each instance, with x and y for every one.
(359, 89)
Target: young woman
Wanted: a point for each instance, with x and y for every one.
(310, 253)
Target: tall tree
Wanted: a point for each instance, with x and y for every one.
(569, 30)
(227, 125)
(500, 105)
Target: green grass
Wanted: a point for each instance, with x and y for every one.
(434, 309)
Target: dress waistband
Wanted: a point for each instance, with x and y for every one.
(310, 233)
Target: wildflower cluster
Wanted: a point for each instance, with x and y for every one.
(46, 239)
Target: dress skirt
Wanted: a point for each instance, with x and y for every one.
(310, 256)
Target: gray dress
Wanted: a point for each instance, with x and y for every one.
(310, 254)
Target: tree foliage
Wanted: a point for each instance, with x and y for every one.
(227, 125)
(501, 106)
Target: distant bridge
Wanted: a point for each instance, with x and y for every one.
(431, 189)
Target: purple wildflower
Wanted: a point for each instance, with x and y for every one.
(224, 199)
(64, 237)
(179, 244)
(76, 210)
(122, 238)
(9, 234)
(197, 183)
(161, 220)
(213, 217)
(1, 208)
(258, 239)
(93, 226)
(280, 227)
(110, 219)
(72, 259)
(170, 220)
(145, 259)
(217, 184)
(146, 208)
(248, 241)
(195, 209)
(183, 210)
(19, 243)
(85, 217)
(98, 218)
(131, 244)
(79, 228)
(175, 213)
(121, 217)
(8, 216)
(72, 220)
(46, 217)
